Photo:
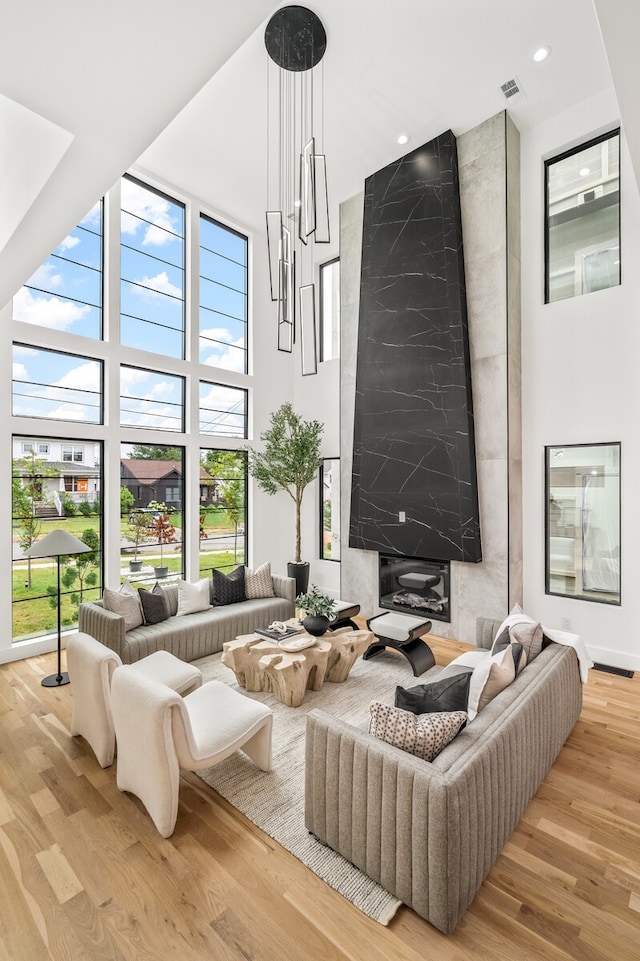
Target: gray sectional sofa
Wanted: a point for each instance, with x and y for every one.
(430, 832)
(189, 636)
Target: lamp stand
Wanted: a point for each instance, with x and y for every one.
(57, 680)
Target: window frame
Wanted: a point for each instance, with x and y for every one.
(321, 298)
(321, 471)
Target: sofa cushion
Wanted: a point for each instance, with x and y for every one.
(424, 735)
(448, 692)
(258, 583)
(519, 653)
(228, 588)
(524, 630)
(492, 675)
(155, 605)
(193, 597)
(126, 603)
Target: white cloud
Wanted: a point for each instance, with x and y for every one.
(145, 205)
(71, 412)
(48, 311)
(20, 351)
(129, 377)
(161, 389)
(159, 284)
(222, 354)
(83, 377)
(69, 242)
(46, 275)
(19, 371)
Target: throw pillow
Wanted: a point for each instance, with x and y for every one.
(491, 676)
(193, 597)
(228, 588)
(155, 606)
(449, 693)
(258, 583)
(531, 639)
(424, 735)
(126, 603)
(519, 653)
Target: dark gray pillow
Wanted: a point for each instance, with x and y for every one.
(449, 693)
(155, 606)
(228, 588)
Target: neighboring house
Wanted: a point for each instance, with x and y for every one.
(162, 481)
(63, 481)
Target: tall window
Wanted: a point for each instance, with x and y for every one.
(223, 296)
(223, 512)
(582, 488)
(65, 293)
(152, 252)
(582, 232)
(152, 514)
(56, 386)
(330, 509)
(48, 493)
(330, 310)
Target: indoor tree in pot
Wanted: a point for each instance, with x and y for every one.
(319, 609)
(289, 462)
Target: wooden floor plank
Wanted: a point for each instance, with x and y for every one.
(86, 877)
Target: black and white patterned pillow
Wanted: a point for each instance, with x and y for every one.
(424, 735)
(228, 588)
(258, 583)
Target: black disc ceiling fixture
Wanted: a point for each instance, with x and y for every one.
(295, 38)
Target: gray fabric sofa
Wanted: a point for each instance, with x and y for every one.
(430, 832)
(189, 636)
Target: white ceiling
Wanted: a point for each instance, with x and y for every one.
(181, 87)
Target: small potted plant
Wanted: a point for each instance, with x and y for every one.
(319, 609)
(138, 533)
(165, 533)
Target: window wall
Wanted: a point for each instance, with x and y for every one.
(174, 511)
(330, 509)
(330, 310)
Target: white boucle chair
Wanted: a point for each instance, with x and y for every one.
(158, 732)
(91, 666)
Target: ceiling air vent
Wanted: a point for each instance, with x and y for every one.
(512, 90)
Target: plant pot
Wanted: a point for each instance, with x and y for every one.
(301, 573)
(316, 624)
(161, 571)
(135, 565)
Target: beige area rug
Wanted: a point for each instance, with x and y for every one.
(274, 801)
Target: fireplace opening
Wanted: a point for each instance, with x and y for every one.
(415, 586)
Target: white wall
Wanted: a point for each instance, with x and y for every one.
(581, 384)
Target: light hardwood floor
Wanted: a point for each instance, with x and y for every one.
(84, 875)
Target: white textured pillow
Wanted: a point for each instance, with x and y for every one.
(258, 583)
(492, 675)
(193, 597)
(469, 659)
(126, 603)
(424, 735)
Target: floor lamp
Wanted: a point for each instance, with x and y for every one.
(57, 544)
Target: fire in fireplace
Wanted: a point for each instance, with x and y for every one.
(415, 586)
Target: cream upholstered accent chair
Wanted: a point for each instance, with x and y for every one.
(91, 666)
(158, 732)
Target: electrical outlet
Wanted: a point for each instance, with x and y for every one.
(402, 517)
(566, 624)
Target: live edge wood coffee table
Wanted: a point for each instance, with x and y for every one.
(261, 665)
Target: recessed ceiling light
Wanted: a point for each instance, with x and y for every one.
(403, 138)
(584, 171)
(541, 54)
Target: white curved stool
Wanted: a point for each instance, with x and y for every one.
(91, 666)
(158, 732)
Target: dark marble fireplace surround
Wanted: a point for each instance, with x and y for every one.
(414, 489)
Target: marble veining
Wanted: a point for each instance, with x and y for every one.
(414, 446)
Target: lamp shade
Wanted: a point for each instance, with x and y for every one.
(56, 543)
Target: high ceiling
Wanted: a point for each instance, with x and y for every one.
(181, 88)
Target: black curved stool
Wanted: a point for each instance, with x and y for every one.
(402, 633)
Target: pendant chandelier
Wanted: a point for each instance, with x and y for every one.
(297, 203)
